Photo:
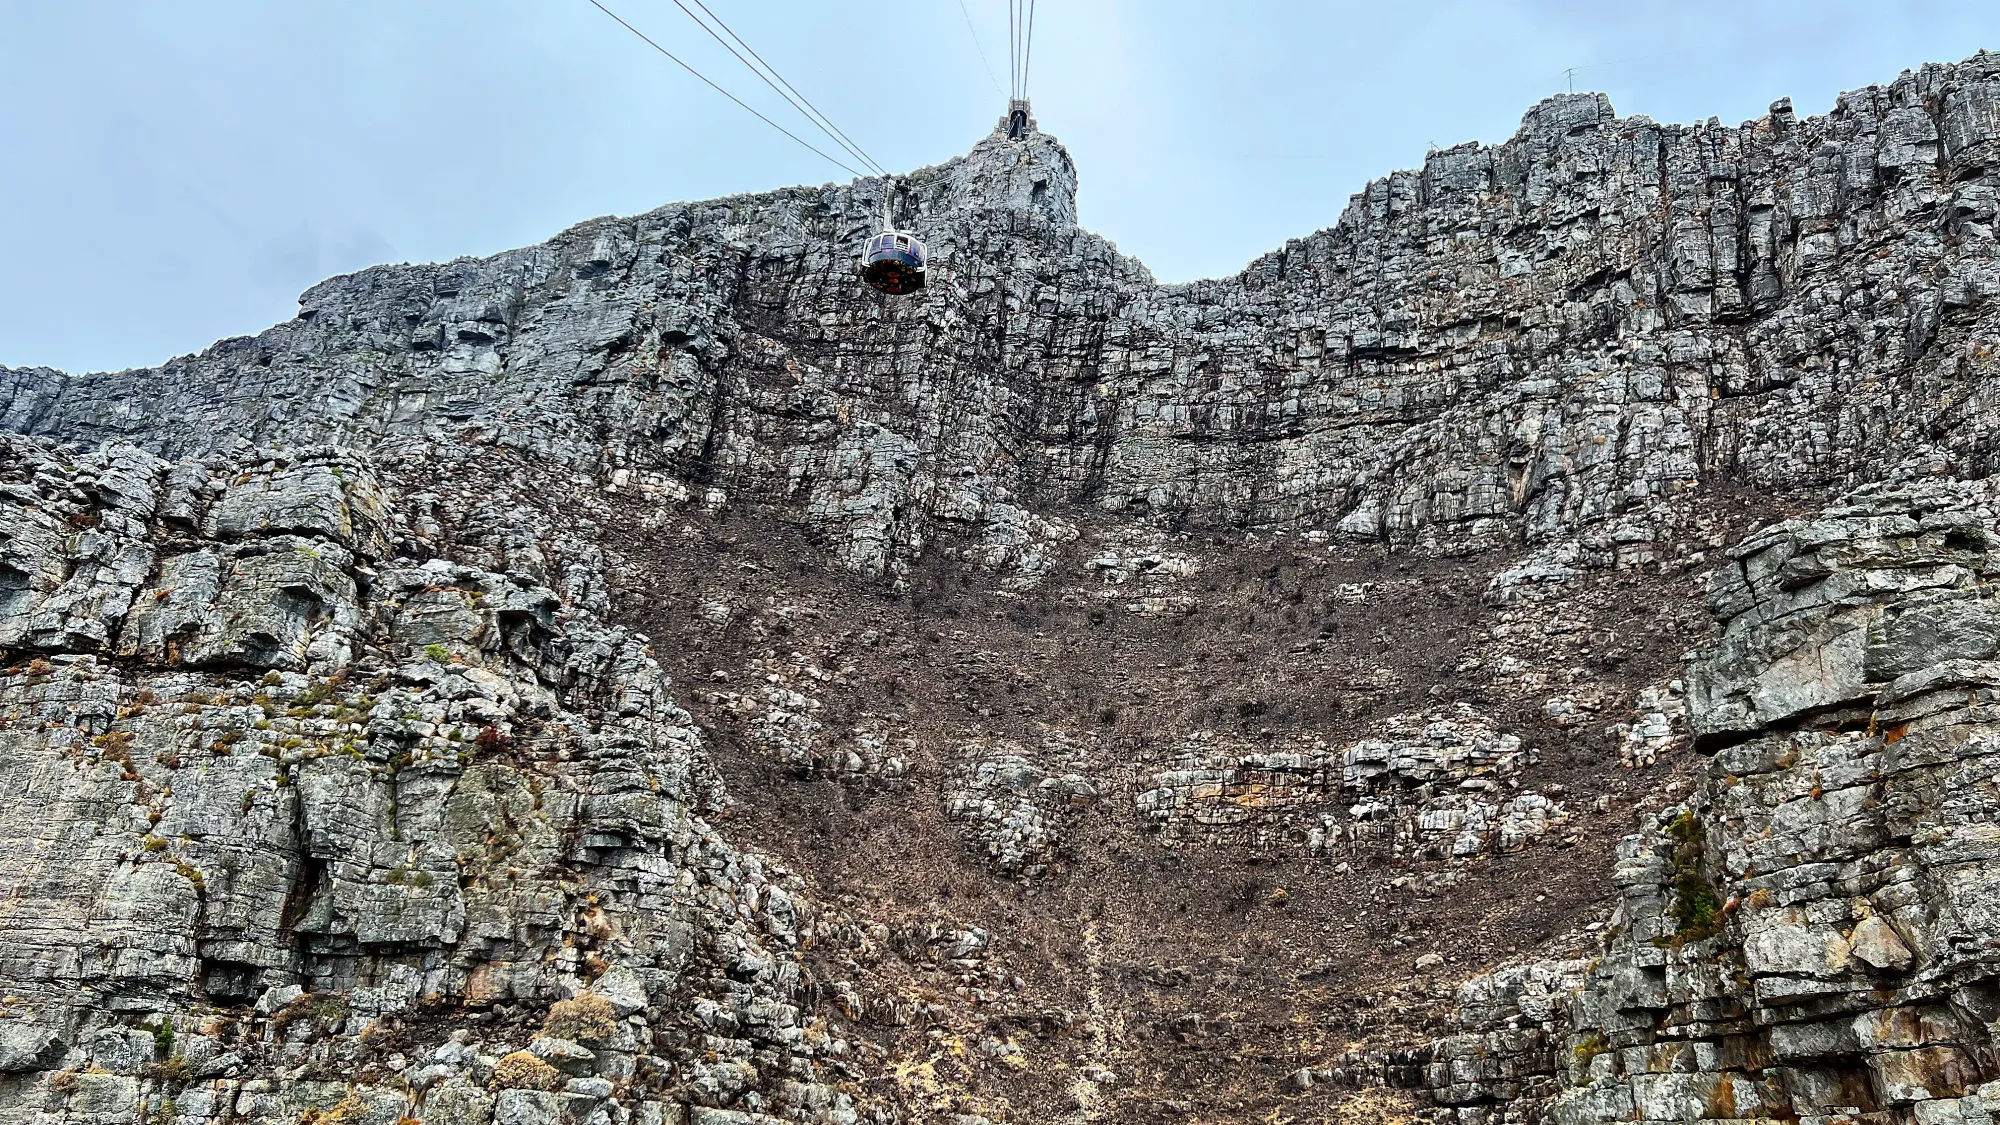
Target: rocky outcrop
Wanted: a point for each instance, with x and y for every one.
(1136, 702)
(1813, 936)
(1425, 782)
(1547, 341)
(345, 833)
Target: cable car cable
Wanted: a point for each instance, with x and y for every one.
(1013, 50)
(848, 142)
(974, 32)
(1028, 55)
(732, 97)
(1010, 48)
(811, 112)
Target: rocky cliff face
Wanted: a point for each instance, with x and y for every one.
(443, 788)
(1813, 935)
(650, 676)
(1542, 341)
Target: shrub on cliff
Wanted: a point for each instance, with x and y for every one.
(523, 1071)
(588, 1016)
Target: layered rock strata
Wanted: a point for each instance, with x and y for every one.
(648, 677)
(1813, 936)
(274, 800)
(1545, 341)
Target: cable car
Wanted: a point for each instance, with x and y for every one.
(893, 262)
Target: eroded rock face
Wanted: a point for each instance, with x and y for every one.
(1815, 935)
(280, 793)
(1546, 341)
(1423, 780)
(1135, 700)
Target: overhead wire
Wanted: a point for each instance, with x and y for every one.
(732, 97)
(1013, 52)
(974, 32)
(1020, 45)
(1028, 52)
(812, 113)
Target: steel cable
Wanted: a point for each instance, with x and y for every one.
(822, 121)
(718, 89)
(974, 32)
(1028, 50)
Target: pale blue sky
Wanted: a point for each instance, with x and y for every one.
(175, 171)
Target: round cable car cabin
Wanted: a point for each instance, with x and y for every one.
(893, 262)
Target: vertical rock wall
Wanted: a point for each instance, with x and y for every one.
(1547, 340)
(1815, 936)
(334, 794)
(274, 806)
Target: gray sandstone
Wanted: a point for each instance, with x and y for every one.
(647, 678)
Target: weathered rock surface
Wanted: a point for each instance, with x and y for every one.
(1815, 934)
(279, 793)
(1545, 341)
(649, 678)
